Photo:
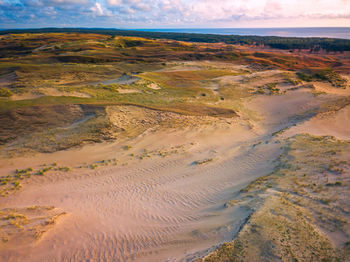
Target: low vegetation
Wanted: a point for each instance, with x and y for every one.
(299, 212)
(323, 75)
(23, 226)
(203, 161)
(4, 92)
(12, 182)
(313, 44)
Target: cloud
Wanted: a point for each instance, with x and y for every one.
(97, 9)
(142, 7)
(65, 2)
(52, 2)
(173, 13)
(114, 2)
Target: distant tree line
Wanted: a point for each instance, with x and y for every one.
(313, 44)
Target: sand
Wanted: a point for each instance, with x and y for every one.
(162, 208)
(39, 92)
(148, 210)
(335, 124)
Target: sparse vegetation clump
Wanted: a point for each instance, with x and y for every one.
(108, 162)
(203, 161)
(23, 226)
(5, 92)
(93, 166)
(147, 154)
(327, 75)
(260, 91)
(127, 147)
(43, 170)
(24, 171)
(64, 168)
(272, 88)
(11, 182)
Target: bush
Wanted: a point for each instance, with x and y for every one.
(4, 92)
(304, 77)
(327, 75)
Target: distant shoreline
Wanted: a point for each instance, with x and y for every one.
(303, 32)
(329, 32)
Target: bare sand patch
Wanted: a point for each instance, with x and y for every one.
(331, 123)
(56, 92)
(133, 120)
(324, 87)
(285, 110)
(253, 79)
(26, 96)
(7, 79)
(128, 91)
(154, 86)
(199, 65)
(39, 92)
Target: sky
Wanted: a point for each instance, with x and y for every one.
(131, 14)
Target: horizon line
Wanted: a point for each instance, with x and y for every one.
(170, 28)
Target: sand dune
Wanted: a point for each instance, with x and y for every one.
(153, 209)
(131, 149)
(331, 123)
(163, 208)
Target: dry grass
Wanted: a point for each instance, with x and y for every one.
(300, 210)
(23, 226)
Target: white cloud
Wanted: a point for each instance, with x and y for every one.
(183, 13)
(212, 11)
(66, 2)
(142, 7)
(97, 9)
(114, 2)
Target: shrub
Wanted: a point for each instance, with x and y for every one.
(4, 92)
(64, 168)
(304, 77)
(204, 161)
(127, 147)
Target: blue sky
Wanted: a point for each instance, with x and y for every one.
(173, 13)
